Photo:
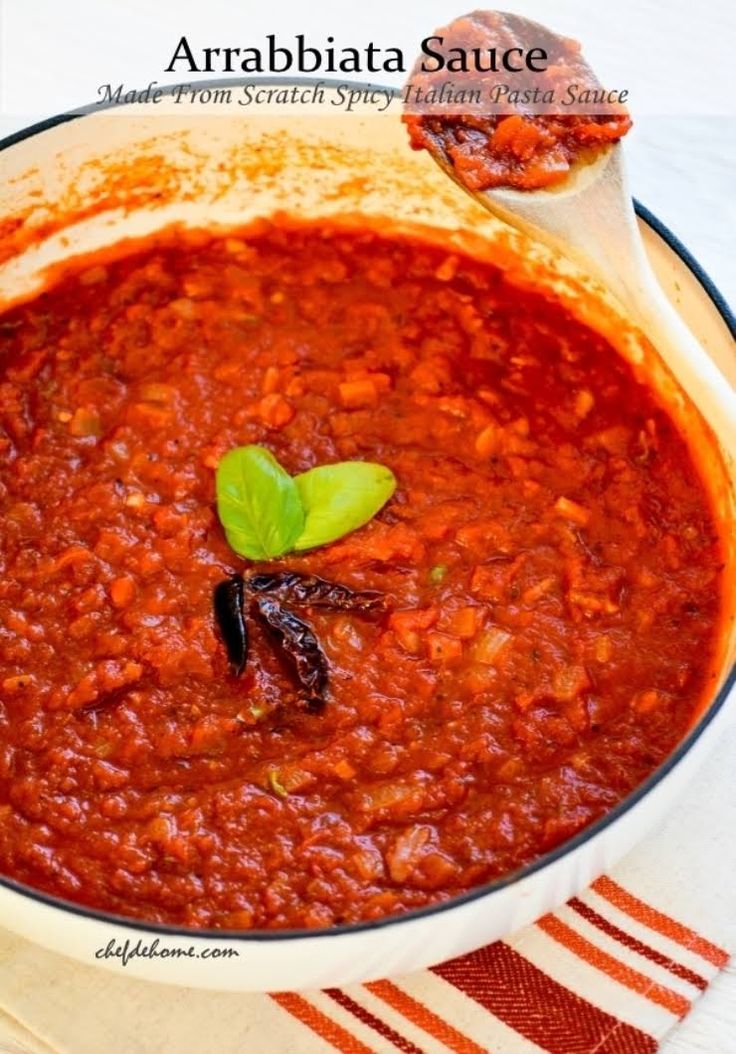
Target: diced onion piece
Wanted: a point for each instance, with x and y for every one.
(343, 769)
(615, 439)
(584, 403)
(490, 644)
(539, 589)
(85, 422)
(592, 603)
(93, 275)
(406, 851)
(183, 307)
(271, 378)
(646, 702)
(122, 591)
(275, 411)
(572, 511)
(447, 269)
(369, 865)
(443, 648)
(157, 393)
(407, 626)
(603, 649)
(464, 622)
(356, 394)
(568, 682)
(488, 442)
(399, 798)
(293, 778)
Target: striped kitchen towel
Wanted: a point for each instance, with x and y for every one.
(611, 972)
(608, 973)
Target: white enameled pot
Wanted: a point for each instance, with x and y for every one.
(70, 186)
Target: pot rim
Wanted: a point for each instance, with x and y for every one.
(504, 881)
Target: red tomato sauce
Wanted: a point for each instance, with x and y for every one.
(550, 564)
(532, 127)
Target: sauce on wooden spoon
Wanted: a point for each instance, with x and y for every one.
(528, 128)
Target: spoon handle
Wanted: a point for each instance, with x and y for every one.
(595, 223)
(591, 219)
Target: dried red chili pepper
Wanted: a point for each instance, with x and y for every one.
(299, 646)
(228, 602)
(315, 592)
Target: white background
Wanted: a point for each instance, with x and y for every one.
(676, 57)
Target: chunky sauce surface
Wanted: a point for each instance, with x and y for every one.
(550, 564)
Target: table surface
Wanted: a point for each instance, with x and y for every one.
(681, 157)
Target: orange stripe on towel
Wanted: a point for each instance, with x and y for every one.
(636, 945)
(659, 922)
(325, 1027)
(618, 971)
(376, 1023)
(424, 1018)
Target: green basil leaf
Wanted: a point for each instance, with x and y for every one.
(258, 503)
(340, 498)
